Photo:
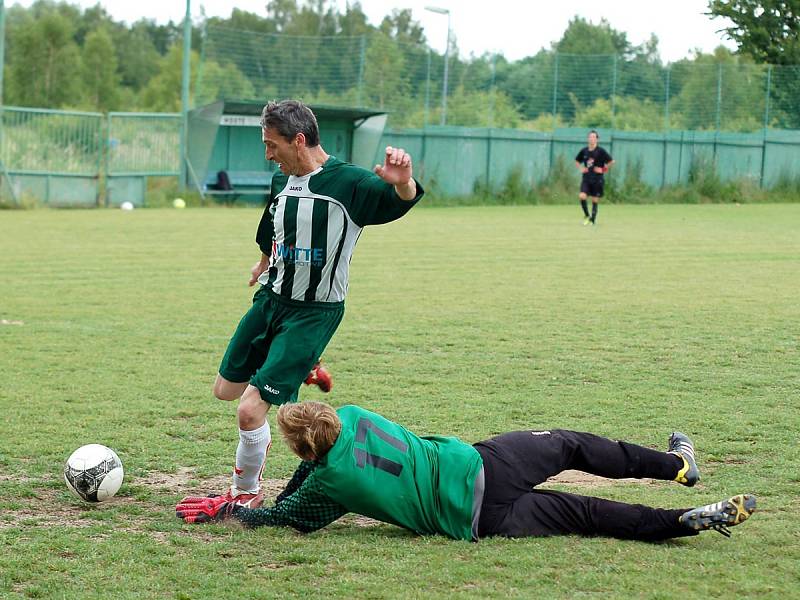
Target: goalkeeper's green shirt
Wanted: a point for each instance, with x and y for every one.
(311, 224)
(381, 470)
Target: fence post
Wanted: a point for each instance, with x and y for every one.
(719, 95)
(763, 159)
(614, 94)
(492, 91)
(555, 94)
(766, 101)
(666, 101)
(105, 148)
(427, 94)
(361, 64)
(187, 50)
(488, 158)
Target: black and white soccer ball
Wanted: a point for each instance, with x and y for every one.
(93, 473)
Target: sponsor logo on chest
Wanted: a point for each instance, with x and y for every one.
(298, 256)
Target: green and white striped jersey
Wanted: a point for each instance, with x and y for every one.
(311, 224)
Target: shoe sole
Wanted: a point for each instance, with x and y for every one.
(735, 510)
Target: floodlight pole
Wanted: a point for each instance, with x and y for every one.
(443, 11)
(187, 52)
(2, 45)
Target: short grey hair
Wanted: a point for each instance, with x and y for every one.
(290, 117)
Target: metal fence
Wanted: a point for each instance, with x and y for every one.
(139, 145)
(456, 161)
(544, 92)
(54, 156)
(88, 159)
(69, 158)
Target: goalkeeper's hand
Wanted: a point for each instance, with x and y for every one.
(199, 509)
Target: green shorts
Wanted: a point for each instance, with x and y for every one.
(277, 343)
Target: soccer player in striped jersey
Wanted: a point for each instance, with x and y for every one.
(317, 208)
(357, 461)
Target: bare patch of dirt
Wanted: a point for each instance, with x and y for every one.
(179, 483)
(727, 461)
(358, 520)
(582, 479)
(176, 481)
(48, 508)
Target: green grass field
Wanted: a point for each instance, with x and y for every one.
(470, 322)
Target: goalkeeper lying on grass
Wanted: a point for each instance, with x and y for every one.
(357, 461)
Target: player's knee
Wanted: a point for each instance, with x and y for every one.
(582, 196)
(252, 410)
(224, 390)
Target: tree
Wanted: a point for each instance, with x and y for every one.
(587, 57)
(719, 89)
(100, 77)
(467, 107)
(767, 30)
(137, 57)
(385, 76)
(163, 91)
(402, 28)
(584, 37)
(529, 83)
(46, 67)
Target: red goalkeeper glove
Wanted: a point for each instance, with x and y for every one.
(200, 509)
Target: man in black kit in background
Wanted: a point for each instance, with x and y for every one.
(593, 161)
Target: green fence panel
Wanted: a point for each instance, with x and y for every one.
(781, 158)
(527, 153)
(739, 156)
(138, 146)
(143, 144)
(639, 155)
(453, 161)
(54, 156)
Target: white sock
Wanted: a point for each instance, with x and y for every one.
(251, 454)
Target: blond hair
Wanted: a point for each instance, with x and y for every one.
(309, 428)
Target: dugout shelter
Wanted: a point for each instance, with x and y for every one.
(225, 137)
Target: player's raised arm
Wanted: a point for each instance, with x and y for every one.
(397, 170)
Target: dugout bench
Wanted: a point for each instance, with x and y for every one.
(225, 135)
(229, 186)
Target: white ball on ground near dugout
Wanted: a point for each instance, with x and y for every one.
(126, 206)
(93, 473)
(179, 203)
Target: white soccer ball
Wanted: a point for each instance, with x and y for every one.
(179, 203)
(93, 473)
(126, 206)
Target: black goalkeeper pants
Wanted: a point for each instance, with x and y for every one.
(514, 463)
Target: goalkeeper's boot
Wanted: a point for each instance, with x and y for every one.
(720, 516)
(587, 220)
(232, 496)
(681, 446)
(321, 377)
(242, 498)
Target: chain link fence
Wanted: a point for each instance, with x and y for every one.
(542, 92)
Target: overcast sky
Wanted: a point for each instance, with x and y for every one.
(514, 28)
